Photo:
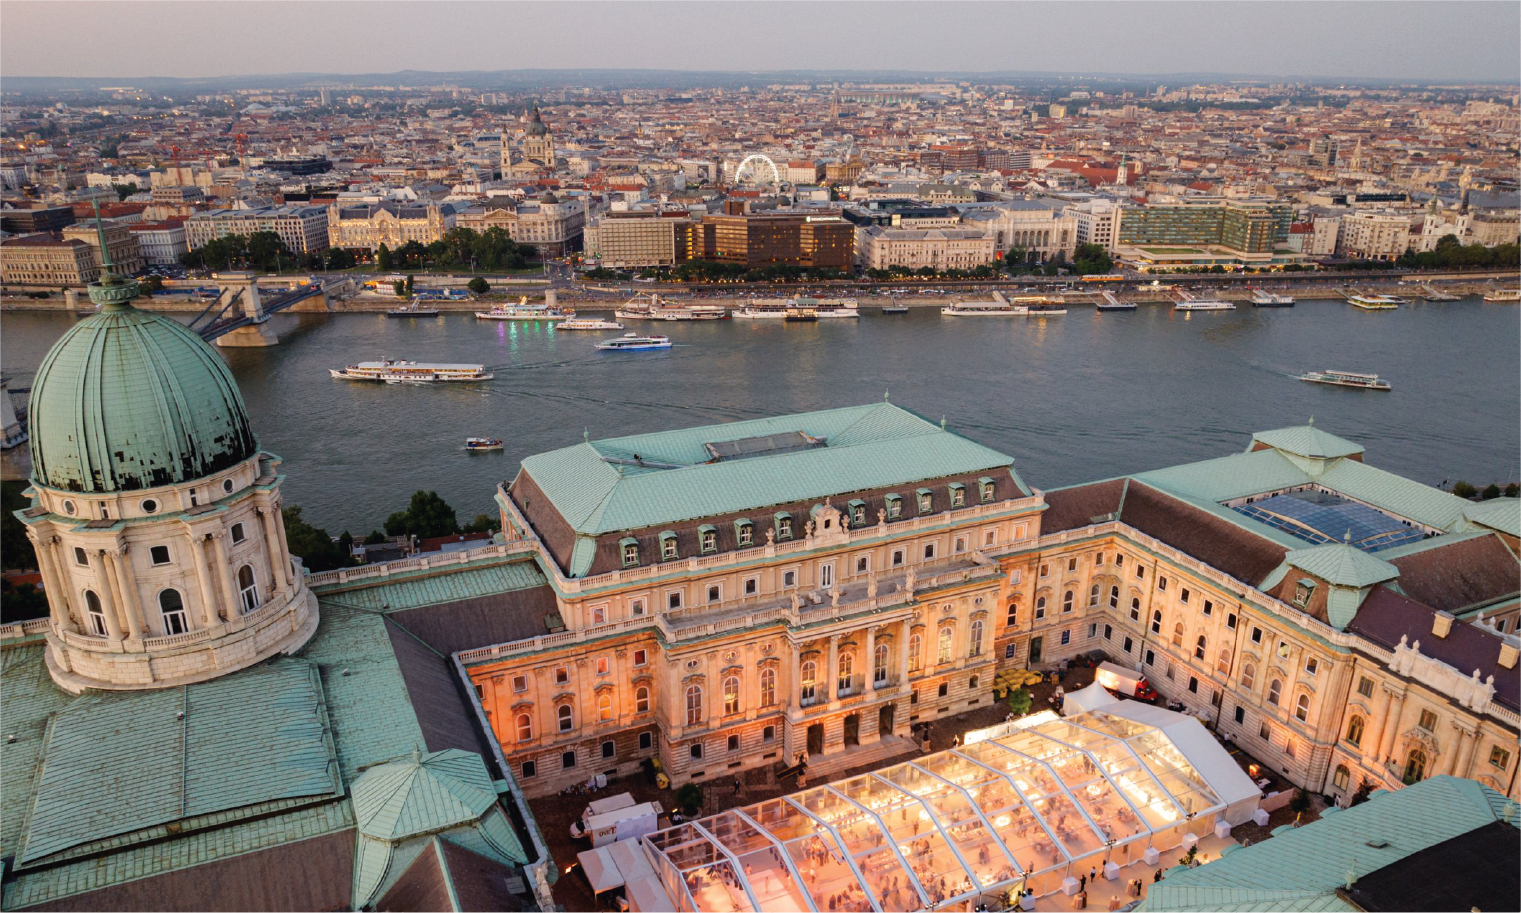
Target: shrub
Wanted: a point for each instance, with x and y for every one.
(689, 797)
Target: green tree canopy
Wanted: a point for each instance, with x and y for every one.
(479, 286)
(316, 548)
(427, 515)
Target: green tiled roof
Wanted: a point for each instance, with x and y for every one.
(436, 586)
(422, 795)
(1229, 477)
(1342, 565)
(1396, 494)
(1503, 514)
(874, 446)
(1307, 441)
(1301, 868)
(27, 699)
(244, 740)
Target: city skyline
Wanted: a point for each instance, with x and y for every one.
(1463, 42)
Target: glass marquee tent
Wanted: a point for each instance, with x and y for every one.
(1022, 809)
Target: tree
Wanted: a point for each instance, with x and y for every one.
(409, 278)
(1463, 490)
(479, 286)
(689, 797)
(317, 549)
(1512, 490)
(150, 285)
(1020, 701)
(1300, 803)
(400, 287)
(21, 602)
(376, 537)
(15, 549)
(483, 523)
(1490, 491)
(1091, 259)
(124, 190)
(426, 516)
(383, 257)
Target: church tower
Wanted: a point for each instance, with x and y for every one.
(155, 518)
(538, 144)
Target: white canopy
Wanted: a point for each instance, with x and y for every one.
(1090, 698)
(614, 865)
(1225, 777)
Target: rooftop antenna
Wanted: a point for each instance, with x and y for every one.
(586, 435)
(1312, 421)
(885, 393)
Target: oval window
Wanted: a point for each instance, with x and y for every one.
(69, 508)
(227, 485)
(150, 506)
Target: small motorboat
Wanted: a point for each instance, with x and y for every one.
(483, 443)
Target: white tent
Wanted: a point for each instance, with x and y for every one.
(616, 864)
(1224, 776)
(1090, 698)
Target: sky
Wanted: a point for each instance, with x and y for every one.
(1375, 39)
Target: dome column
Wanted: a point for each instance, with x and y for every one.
(57, 590)
(278, 566)
(204, 584)
(107, 596)
(224, 571)
(126, 585)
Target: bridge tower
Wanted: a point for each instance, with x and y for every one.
(245, 287)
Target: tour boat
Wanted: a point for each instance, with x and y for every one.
(413, 310)
(1375, 302)
(1188, 302)
(792, 309)
(629, 342)
(1264, 299)
(1504, 294)
(483, 443)
(1001, 306)
(399, 371)
(1346, 379)
(587, 323)
(657, 308)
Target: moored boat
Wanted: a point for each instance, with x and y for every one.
(413, 310)
(632, 342)
(1346, 379)
(656, 308)
(1111, 303)
(1375, 302)
(483, 443)
(787, 308)
(1504, 294)
(525, 311)
(1187, 302)
(587, 323)
(400, 371)
(1266, 299)
(894, 309)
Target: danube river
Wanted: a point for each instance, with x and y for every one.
(1074, 398)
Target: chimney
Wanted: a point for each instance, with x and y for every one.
(1508, 652)
(1441, 623)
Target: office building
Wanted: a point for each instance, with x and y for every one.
(161, 243)
(937, 248)
(762, 239)
(302, 229)
(631, 240)
(47, 260)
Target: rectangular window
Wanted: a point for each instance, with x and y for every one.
(80, 558)
(1071, 564)
(529, 769)
(1499, 757)
(789, 578)
(562, 676)
(1264, 732)
(945, 689)
(667, 547)
(990, 537)
(784, 527)
(1140, 572)
(1162, 584)
(1098, 559)
(1193, 684)
(1256, 635)
(894, 507)
(630, 554)
(646, 741)
(746, 535)
(1045, 570)
(603, 665)
(715, 593)
(752, 586)
(1240, 714)
(237, 533)
(897, 557)
(958, 496)
(734, 743)
(1230, 621)
(640, 657)
(1428, 721)
(609, 749)
(709, 541)
(1093, 630)
(673, 599)
(1108, 632)
(599, 615)
(1015, 576)
(986, 488)
(1365, 686)
(929, 551)
(567, 760)
(960, 545)
(159, 554)
(1311, 665)
(826, 575)
(768, 734)
(926, 502)
(696, 752)
(1119, 560)
(1302, 591)
(1209, 608)
(519, 683)
(1288, 747)
(1151, 657)
(1183, 595)
(863, 564)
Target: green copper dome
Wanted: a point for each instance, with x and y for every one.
(128, 400)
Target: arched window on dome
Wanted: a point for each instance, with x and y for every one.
(96, 614)
(171, 605)
(248, 588)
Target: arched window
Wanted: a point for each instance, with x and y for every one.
(1199, 648)
(1067, 600)
(1177, 634)
(96, 613)
(767, 687)
(1415, 766)
(172, 607)
(847, 664)
(1248, 676)
(1040, 607)
(945, 644)
(731, 694)
(694, 705)
(1275, 690)
(1302, 708)
(1135, 608)
(879, 665)
(1223, 666)
(1341, 778)
(1114, 597)
(248, 588)
(975, 647)
(1093, 595)
(525, 727)
(915, 645)
(807, 678)
(567, 718)
(1355, 730)
(1013, 618)
(1156, 622)
(604, 706)
(641, 699)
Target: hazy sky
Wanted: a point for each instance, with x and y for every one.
(1397, 40)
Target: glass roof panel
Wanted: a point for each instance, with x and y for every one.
(717, 888)
(889, 882)
(1111, 724)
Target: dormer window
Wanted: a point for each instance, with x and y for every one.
(744, 533)
(857, 513)
(1303, 590)
(958, 495)
(668, 549)
(926, 500)
(709, 539)
(894, 507)
(784, 525)
(986, 489)
(630, 548)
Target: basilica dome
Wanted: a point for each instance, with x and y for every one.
(128, 400)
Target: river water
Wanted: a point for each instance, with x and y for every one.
(1075, 398)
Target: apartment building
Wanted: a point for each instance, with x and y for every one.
(938, 248)
(303, 229)
(1374, 235)
(46, 260)
(161, 243)
(1096, 222)
(125, 252)
(631, 240)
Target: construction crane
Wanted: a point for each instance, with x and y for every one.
(242, 139)
(179, 175)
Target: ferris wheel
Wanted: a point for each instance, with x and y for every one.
(757, 169)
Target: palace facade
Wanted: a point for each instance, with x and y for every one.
(732, 596)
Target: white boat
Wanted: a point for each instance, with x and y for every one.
(794, 308)
(1266, 299)
(540, 310)
(1000, 306)
(654, 307)
(400, 371)
(587, 323)
(1375, 302)
(1346, 379)
(475, 444)
(1188, 302)
(1504, 294)
(629, 342)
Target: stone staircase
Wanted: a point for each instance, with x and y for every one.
(833, 766)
